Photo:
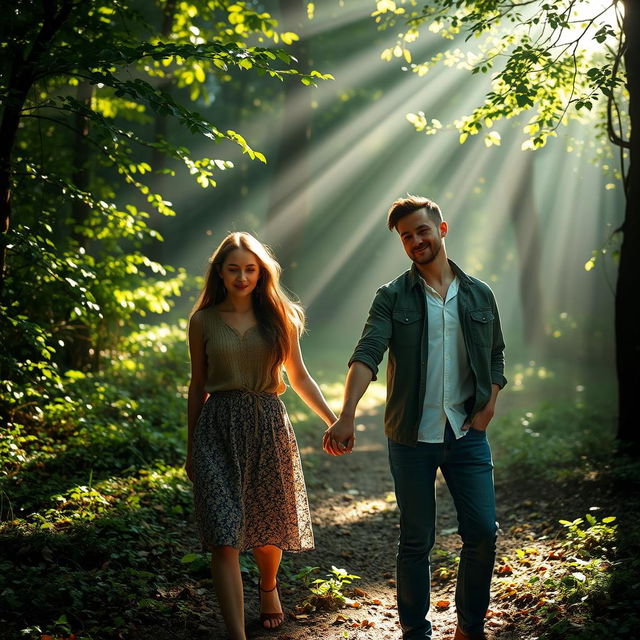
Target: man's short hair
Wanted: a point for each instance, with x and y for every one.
(404, 206)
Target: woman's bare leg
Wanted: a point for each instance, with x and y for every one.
(268, 561)
(227, 580)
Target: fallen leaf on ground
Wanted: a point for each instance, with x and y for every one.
(299, 616)
(493, 614)
(507, 593)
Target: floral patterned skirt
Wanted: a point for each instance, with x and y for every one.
(247, 478)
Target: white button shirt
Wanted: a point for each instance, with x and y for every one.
(449, 377)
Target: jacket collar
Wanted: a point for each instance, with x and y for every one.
(414, 274)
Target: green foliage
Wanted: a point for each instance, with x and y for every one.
(554, 59)
(327, 593)
(552, 440)
(590, 551)
(87, 490)
(594, 539)
(88, 100)
(198, 564)
(97, 424)
(578, 580)
(577, 584)
(100, 572)
(584, 582)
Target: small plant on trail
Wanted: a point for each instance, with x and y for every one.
(327, 593)
(582, 581)
(597, 539)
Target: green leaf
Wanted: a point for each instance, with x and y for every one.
(189, 557)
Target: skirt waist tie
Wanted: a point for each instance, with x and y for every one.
(256, 398)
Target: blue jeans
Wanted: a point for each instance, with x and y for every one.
(468, 470)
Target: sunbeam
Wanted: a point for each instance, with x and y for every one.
(371, 155)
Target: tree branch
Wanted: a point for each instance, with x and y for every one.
(616, 139)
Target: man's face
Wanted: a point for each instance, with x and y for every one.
(421, 237)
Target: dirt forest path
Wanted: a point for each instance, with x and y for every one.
(355, 521)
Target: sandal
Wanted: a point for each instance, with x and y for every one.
(277, 618)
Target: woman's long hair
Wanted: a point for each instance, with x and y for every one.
(279, 317)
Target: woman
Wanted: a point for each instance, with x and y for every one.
(242, 455)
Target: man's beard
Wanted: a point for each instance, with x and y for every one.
(428, 259)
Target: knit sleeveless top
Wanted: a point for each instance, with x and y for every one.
(236, 361)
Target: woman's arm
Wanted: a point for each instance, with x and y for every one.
(197, 394)
(305, 386)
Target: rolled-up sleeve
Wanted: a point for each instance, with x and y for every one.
(376, 333)
(497, 350)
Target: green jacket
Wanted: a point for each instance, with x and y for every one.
(398, 321)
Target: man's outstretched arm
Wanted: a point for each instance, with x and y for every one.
(340, 437)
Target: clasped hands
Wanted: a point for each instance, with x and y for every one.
(339, 438)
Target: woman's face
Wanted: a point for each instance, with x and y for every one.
(240, 272)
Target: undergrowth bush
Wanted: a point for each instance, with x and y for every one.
(553, 439)
(93, 494)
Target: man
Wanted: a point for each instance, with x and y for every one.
(445, 369)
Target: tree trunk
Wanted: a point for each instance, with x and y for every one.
(628, 286)
(21, 79)
(19, 84)
(526, 227)
(289, 205)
